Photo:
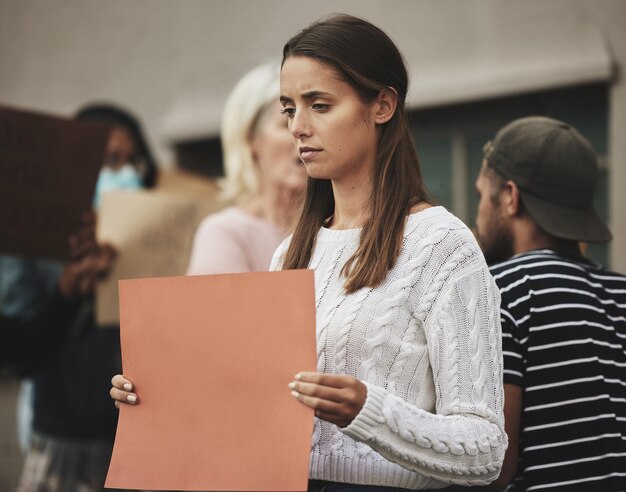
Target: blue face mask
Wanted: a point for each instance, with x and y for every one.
(124, 178)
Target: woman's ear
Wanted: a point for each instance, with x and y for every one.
(385, 105)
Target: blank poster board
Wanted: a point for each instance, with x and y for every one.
(153, 233)
(48, 172)
(211, 357)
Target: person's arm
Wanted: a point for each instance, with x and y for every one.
(512, 415)
(512, 419)
(513, 350)
(513, 377)
(464, 442)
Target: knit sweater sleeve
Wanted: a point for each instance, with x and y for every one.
(464, 441)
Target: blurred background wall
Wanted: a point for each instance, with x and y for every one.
(474, 64)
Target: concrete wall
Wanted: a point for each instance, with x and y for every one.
(612, 19)
(174, 61)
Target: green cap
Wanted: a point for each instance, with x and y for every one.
(555, 168)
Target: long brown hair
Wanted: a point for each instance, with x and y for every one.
(367, 59)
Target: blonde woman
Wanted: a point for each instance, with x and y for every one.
(264, 180)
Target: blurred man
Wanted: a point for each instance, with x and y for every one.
(563, 317)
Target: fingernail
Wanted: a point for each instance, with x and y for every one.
(131, 398)
(128, 386)
(298, 376)
(292, 385)
(295, 394)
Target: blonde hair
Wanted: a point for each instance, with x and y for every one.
(244, 108)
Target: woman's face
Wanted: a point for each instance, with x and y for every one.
(275, 152)
(121, 149)
(122, 168)
(335, 131)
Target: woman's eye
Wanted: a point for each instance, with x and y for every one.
(320, 107)
(290, 112)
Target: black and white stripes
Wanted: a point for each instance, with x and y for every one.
(564, 343)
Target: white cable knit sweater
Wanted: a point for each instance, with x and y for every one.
(426, 342)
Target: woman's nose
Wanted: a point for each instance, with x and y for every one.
(299, 125)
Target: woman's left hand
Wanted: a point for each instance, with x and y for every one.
(336, 398)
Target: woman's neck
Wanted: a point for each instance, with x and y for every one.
(352, 203)
(277, 206)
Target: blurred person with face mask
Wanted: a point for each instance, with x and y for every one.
(264, 178)
(73, 427)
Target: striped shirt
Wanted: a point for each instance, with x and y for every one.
(564, 343)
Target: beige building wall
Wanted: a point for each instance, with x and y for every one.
(174, 61)
(612, 18)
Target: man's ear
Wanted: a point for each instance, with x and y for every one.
(510, 199)
(385, 105)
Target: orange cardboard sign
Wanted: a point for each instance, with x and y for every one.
(211, 357)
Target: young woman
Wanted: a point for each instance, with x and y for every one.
(409, 390)
(264, 180)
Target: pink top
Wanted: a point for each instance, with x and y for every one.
(233, 241)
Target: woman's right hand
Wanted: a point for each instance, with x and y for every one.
(121, 391)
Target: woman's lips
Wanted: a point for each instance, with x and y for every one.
(307, 153)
